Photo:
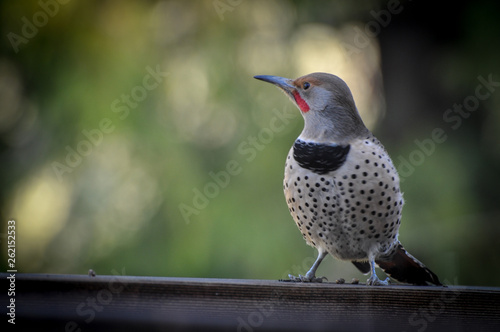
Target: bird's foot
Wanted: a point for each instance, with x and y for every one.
(375, 281)
(306, 278)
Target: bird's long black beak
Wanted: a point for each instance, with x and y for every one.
(283, 83)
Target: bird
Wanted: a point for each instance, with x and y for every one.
(341, 186)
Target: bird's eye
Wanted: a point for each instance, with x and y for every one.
(306, 85)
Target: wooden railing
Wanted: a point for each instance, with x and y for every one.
(124, 303)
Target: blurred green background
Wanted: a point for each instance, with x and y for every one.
(133, 137)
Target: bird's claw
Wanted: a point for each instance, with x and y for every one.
(302, 278)
(375, 281)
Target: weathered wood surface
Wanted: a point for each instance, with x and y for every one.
(122, 303)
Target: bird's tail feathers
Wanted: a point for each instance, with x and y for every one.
(403, 267)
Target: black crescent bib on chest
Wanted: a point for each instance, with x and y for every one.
(320, 158)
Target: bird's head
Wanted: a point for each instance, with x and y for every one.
(326, 104)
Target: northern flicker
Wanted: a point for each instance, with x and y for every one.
(341, 186)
